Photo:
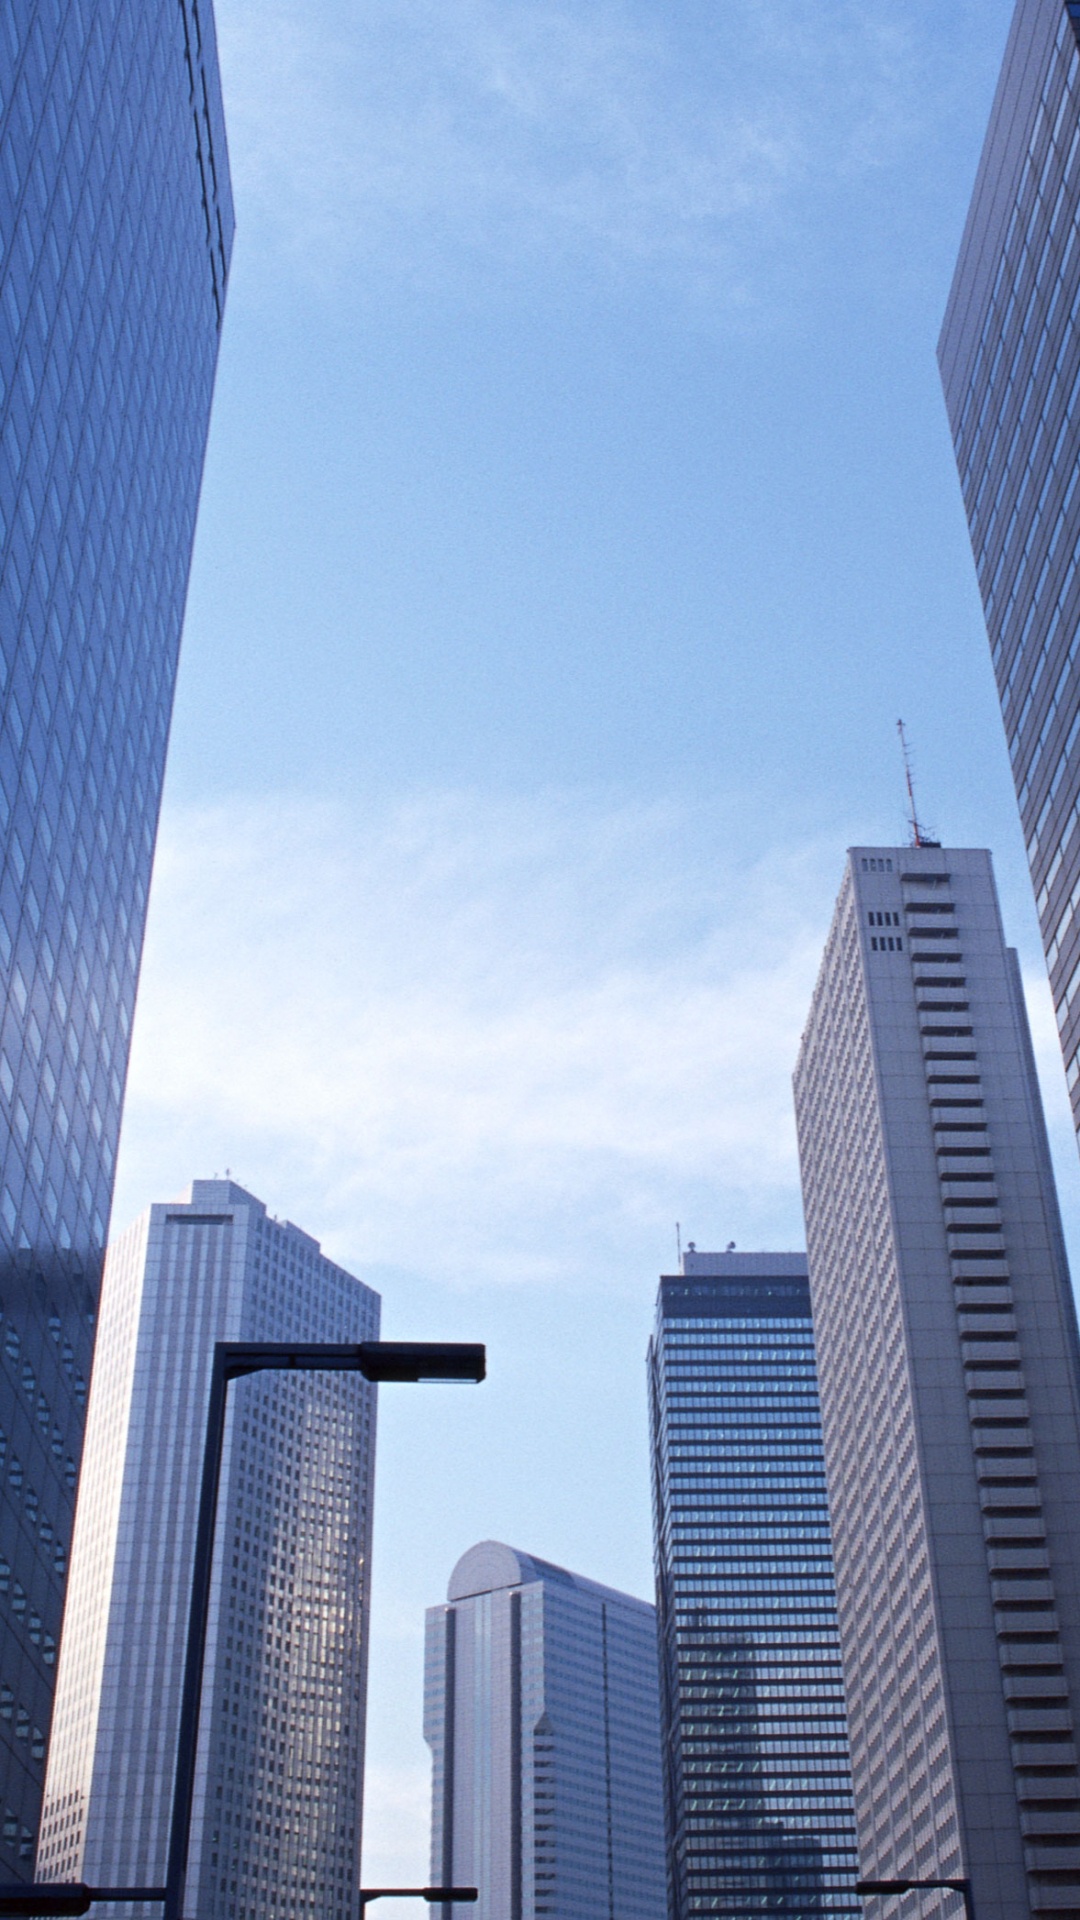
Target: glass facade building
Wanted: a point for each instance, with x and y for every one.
(949, 1369)
(276, 1826)
(115, 230)
(541, 1712)
(1010, 362)
(756, 1777)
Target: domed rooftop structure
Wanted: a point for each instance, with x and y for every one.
(490, 1566)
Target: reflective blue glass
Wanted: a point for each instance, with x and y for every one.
(1010, 362)
(757, 1782)
(115, 230)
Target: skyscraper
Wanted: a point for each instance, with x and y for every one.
(1010, 361)
(541, 1712)
(950, 1388)
(115, 230)
(276, 1827)
(757, 1783)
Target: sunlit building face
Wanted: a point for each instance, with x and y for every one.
(115, 231)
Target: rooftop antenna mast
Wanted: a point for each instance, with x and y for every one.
(918, 837)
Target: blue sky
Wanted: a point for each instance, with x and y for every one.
(579, 517)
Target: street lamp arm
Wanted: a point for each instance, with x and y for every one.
(56, 1897)
(406, 1361)
(459, 1896)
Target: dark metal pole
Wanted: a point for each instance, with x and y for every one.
(190, 1698)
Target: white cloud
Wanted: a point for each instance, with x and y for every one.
(517, 1026)
(421, 131)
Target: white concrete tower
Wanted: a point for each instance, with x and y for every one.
(950, 1390)
(278, 1790)
(542, 1712)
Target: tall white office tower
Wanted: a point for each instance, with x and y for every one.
(276, 1828)
(541, 1709)
(950, 1390)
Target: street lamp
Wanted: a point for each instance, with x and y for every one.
(376, 1360)
(402, 1360)
(963, 1887)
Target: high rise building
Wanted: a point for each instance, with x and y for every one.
(276, 1827)
(541, 1712)
(754, 1736)
(949, 1373)
(115, 230)
(1010, 362)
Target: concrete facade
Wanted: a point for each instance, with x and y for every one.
(950, 1387)
(1010, 363)
(276, 1827)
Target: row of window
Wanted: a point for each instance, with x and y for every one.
(1056, 697)
(1052, 233)
(1054, 613)
(18, 1718)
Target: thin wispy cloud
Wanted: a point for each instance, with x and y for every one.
(424, 135)
(529, 1027)
(576, 1014)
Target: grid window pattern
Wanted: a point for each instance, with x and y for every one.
(276, 1828)
(542, 1715)
(1010, 356)
(950, 1380)
(115, 228)
(757, 1777)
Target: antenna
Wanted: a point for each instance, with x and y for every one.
(678, 1241)
(918, 837)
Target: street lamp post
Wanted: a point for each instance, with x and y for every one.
(962, 1887)
(376, 1360)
